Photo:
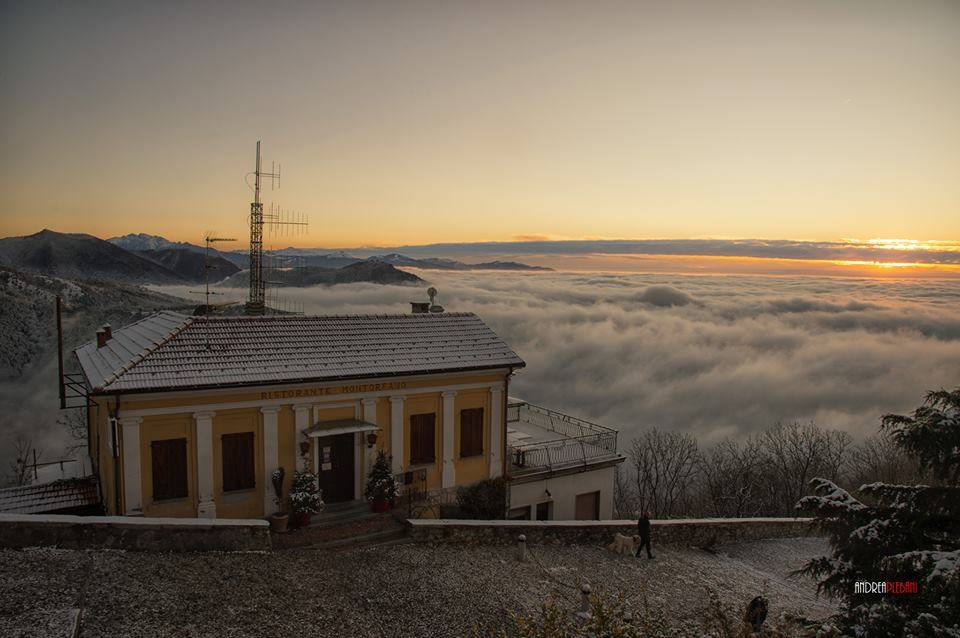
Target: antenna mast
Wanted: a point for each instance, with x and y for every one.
(275, 219)
(207, 241)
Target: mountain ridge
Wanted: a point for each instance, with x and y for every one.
(359, 272)
(81, 256)
(191, 265)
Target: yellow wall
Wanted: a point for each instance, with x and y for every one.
(425, 404)
(285, 453)
(239, 503)
(383, 422)
(156, 428)
(307, 393)
(251, 503)
(472, 468)
(101, 451)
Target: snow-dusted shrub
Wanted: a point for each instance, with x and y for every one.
(380, 483)
(905, 533)
(305, 495)
(607, 618)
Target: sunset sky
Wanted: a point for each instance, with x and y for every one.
(416, 122)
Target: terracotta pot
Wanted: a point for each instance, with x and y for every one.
(379, 505)
(279, 522)
(303, 519)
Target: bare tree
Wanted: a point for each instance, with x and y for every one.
(731, 479)
(665, 464)
(878, 458)
(762, 475)
(794, 454)
(625, 503)
(75, 423)
(22, 466)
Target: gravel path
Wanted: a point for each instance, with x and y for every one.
(401, 590)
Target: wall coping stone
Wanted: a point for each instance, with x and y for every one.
(698, 532)
(134, 533)
(134, 521)
(453, 522)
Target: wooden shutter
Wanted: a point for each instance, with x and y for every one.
(239, 471)
(422, 438)
(471, 432)
(168, 459)
(414, 439)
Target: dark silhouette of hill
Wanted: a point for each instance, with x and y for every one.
(80, 256)
(436, 263)
(363, 271)
(189, 264)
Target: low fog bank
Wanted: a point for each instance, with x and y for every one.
(715, 356)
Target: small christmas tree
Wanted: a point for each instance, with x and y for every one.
(902, 533)
(381, 485)
(305, 495)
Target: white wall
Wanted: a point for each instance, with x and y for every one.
(564, 490)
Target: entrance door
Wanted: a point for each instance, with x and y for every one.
(335, 471)
(587, 507)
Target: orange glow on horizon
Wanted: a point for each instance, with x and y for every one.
(716, 265)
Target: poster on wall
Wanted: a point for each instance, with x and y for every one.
(326, 463)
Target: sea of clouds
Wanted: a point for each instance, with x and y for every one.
(715, 356)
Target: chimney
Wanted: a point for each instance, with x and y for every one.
(104, 335)
(434, 306)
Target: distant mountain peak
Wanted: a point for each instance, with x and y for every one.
(145, 241)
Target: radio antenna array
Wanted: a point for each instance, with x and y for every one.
(277, 221)
(208, 240)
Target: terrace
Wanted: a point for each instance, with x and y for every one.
(541, 440)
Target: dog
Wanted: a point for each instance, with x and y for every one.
(624, 544)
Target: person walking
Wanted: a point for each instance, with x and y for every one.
(643, 529)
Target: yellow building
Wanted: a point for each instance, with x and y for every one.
(190, 416)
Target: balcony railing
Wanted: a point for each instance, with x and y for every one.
(578, 442)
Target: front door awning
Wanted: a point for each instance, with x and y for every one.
(343, 426)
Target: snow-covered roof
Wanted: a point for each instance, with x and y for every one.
(169, 351)
(50, 497)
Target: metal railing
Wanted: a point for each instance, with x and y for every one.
(579, 443)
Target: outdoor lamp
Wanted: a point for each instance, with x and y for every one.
(371, 438)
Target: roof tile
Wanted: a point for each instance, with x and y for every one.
(172, 351)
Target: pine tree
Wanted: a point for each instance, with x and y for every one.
(898, 533)
(380, 483)
(305, 497)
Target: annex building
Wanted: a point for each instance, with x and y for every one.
(189, 416)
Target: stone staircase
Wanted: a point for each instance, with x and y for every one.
(345, 526)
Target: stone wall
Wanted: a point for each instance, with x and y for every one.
(122, 532)
(699, 533)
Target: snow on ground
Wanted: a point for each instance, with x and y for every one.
(400, 590)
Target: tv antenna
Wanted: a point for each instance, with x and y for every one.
(276, 220)
(208, 241)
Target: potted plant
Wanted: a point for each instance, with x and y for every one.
(279, 519)
(305, 498)
(381, 488)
